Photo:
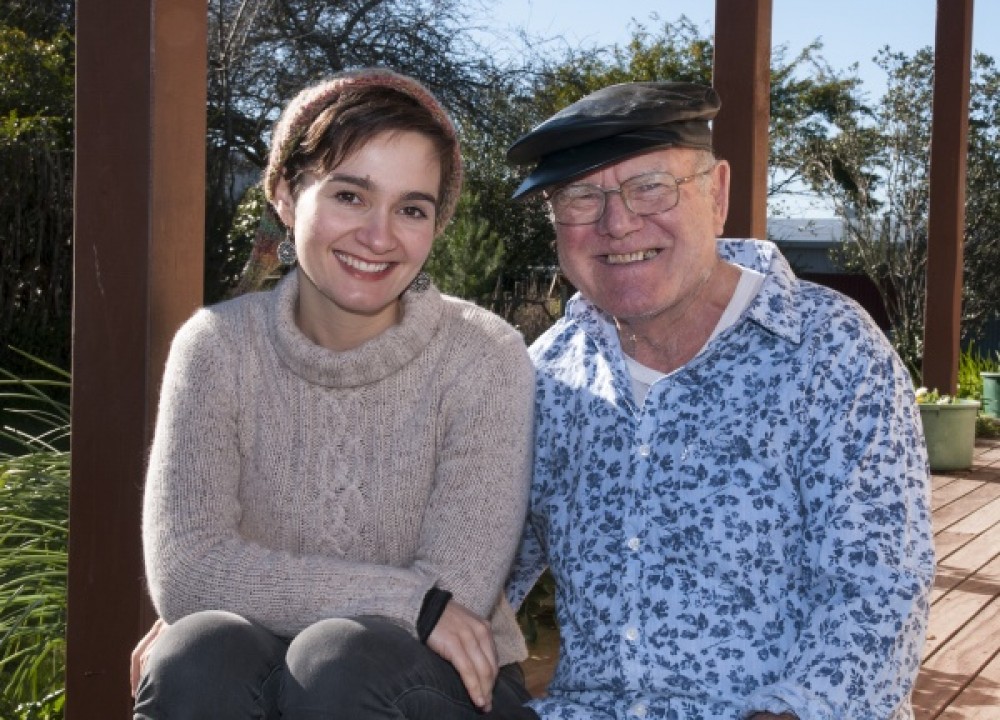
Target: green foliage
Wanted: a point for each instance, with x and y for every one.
(36, 81)
(538, 608)
(36, 260)
(981, 301)
(34, 537)
(465, 259)
(227, 259)
(875, 168)
(39, 18)
(522, 228)
(34, 414)
(675, 51)
(971, 363)
(36, 172)
(987, 427)
(34, 534)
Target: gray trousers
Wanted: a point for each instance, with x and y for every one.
(216, 665)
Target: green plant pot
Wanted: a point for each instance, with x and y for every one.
(950, 431)
(991, 393)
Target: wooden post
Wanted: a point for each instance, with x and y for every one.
(139, 204)
(742, 77)
(946, 217)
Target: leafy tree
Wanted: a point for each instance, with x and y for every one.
(36, 82)
(875, 168)
(43, 19)
(982, 210)
(465, 259)
(522, 227)
(261, 52)
(809, 101)
(36, 166)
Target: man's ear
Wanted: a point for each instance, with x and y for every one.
(284, 203)
(720, 194)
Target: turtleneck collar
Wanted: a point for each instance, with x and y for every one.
(375, 360)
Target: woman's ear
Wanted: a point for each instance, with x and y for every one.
(284, 203)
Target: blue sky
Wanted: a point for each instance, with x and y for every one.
(851, 30)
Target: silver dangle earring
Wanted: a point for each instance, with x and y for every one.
(286, 249)
(420, 283)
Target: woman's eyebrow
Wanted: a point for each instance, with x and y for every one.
(362, 182)
(367, 184)
(417, 195)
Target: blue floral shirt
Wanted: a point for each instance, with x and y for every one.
(754, 536)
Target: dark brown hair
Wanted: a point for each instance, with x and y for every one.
(356, 117)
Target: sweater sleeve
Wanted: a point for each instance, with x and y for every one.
(196, 557)
(476, 513)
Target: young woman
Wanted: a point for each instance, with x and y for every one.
(339, 473)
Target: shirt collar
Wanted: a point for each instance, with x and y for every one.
(774, 307)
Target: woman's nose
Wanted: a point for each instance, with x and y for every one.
(376, 233)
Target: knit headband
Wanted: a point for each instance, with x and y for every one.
(305, 107)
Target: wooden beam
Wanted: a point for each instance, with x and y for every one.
(138, 265)
(742, 77)
(946, 216)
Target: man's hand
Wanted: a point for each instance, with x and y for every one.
(465, 640)
(141, 653)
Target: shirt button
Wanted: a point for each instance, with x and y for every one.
(631, 634)
(640, 710)
(634, 543)
(644, 450)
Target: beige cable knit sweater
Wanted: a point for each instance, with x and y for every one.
(288, 483)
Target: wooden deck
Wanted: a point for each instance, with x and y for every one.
(960, 676)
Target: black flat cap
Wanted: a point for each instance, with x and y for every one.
(611, 124)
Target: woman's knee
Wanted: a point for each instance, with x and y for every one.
(207, 643)
(343, 651)
(210, 657)
(374, 668)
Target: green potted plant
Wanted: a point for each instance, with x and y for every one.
(991, 393)
(949, 429)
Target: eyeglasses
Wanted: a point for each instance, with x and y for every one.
(648, 194)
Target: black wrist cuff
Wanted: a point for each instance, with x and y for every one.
(430, 612)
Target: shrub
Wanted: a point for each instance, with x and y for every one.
(34, 539)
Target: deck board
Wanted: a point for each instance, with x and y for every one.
(970, 503)
(980, 700)
(960, 675)
(953, 490)
(960, 660)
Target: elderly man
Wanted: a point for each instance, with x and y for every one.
(730, 486)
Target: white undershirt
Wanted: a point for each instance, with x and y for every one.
(746, 290)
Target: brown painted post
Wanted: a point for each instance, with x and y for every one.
(138, 266)
(742, 77)
(946, 217)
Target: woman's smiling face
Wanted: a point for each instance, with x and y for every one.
(363, 231)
